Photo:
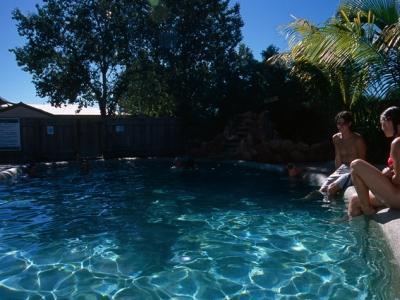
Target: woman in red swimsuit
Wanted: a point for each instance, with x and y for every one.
(377, 189)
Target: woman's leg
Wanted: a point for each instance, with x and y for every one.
(368, 178)
(362, 194)
(354, 207)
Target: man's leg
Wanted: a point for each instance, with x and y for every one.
(333, 189)
(332, 178)
(340, 184)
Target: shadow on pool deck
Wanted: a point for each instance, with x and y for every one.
(389, 221)
(387, 215)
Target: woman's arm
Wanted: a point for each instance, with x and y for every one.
(395, 155)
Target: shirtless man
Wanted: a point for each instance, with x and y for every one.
(349, 146)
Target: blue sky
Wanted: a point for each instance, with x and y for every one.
(261, 17)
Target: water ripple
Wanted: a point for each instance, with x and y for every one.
(137, 230)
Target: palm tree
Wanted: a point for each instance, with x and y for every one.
(359, 47)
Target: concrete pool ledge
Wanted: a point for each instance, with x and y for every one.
(388, 220)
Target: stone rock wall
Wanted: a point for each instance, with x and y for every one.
(251, 137)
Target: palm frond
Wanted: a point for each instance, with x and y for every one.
(298, 30)
(360, 47)
(283, 58)
(390, 38)
(385, 11)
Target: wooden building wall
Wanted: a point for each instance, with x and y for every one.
(62, 138)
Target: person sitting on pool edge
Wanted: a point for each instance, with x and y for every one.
(349, 146)
(378, 189)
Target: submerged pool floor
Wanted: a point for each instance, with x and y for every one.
(138, 230)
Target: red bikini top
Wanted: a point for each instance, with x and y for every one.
(390, 162)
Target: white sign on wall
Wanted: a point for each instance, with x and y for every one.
(10, 135)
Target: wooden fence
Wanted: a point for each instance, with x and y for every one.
(62, 138)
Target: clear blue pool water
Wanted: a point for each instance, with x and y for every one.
(137, 230)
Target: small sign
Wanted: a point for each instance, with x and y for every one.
(50, 130)
(119, 128)
(10, 135)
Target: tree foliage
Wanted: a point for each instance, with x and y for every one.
(195, 42)
(77, 50)
(143, 90)
(157, 58)
(113, 52)
(359, 45)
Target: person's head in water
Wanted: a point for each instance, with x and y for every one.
(344, 118)
(390, 121)
(178, 163)
(184, 163)
(31, 170)
(189, 163)
(293, 171)
(84, 166)
(77, 156)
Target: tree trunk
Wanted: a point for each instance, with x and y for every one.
(103, 112)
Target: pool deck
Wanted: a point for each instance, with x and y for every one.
(388, 220)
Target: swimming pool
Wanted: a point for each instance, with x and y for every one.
(138, 230)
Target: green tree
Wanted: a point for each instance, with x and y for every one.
(78, 50)
(359, 46)
(305, 95)
(195, 42)
(252, 84)
(305, 39)
(143, 89)
(239, 82)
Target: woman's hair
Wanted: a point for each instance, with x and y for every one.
(392, 114)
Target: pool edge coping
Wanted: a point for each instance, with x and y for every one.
(388, 221)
